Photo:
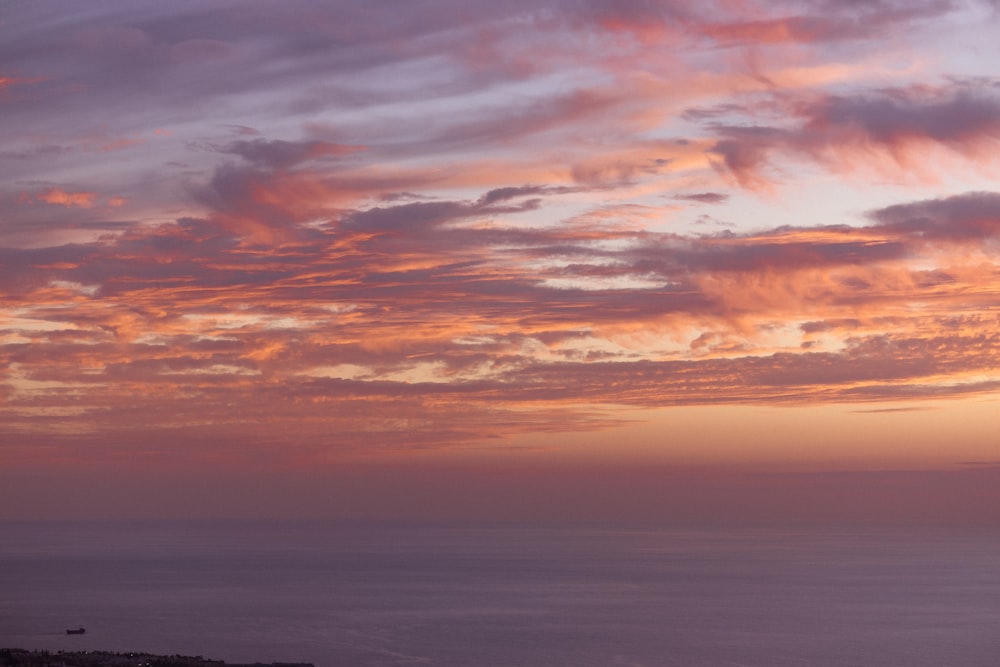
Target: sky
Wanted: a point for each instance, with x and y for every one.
(560, 259)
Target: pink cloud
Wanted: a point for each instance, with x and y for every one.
(824, 22)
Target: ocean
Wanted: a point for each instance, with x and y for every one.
(449, 595)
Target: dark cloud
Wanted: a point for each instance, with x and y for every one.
(412, 217)
(505, 194)
(971, 216)
(954, 118)
(764, 252)
(703, 197)
(843, 129)
(829, 325)
(281, 154)
(745, 152)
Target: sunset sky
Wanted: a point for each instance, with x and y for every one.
(464, 259)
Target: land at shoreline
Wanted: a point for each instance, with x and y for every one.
(15, 657)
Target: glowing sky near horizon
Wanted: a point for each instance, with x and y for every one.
(241, 235)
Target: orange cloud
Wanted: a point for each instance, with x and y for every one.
(68, 199)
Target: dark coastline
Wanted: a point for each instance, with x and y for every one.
(15, 657)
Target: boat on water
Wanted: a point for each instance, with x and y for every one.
(76, 631)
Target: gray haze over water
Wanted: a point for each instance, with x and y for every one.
(366, 595)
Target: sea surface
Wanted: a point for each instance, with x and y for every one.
(367, 595)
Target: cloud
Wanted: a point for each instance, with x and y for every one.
(514, 192)
(281, 154)
(972, 216)
(68, 199)
(413, 285)
(449, 327)
(827, 22)
(963, 120)
(840, 130)
(703, 197)
(328, 229)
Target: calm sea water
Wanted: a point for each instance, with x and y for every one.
(508, 596)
